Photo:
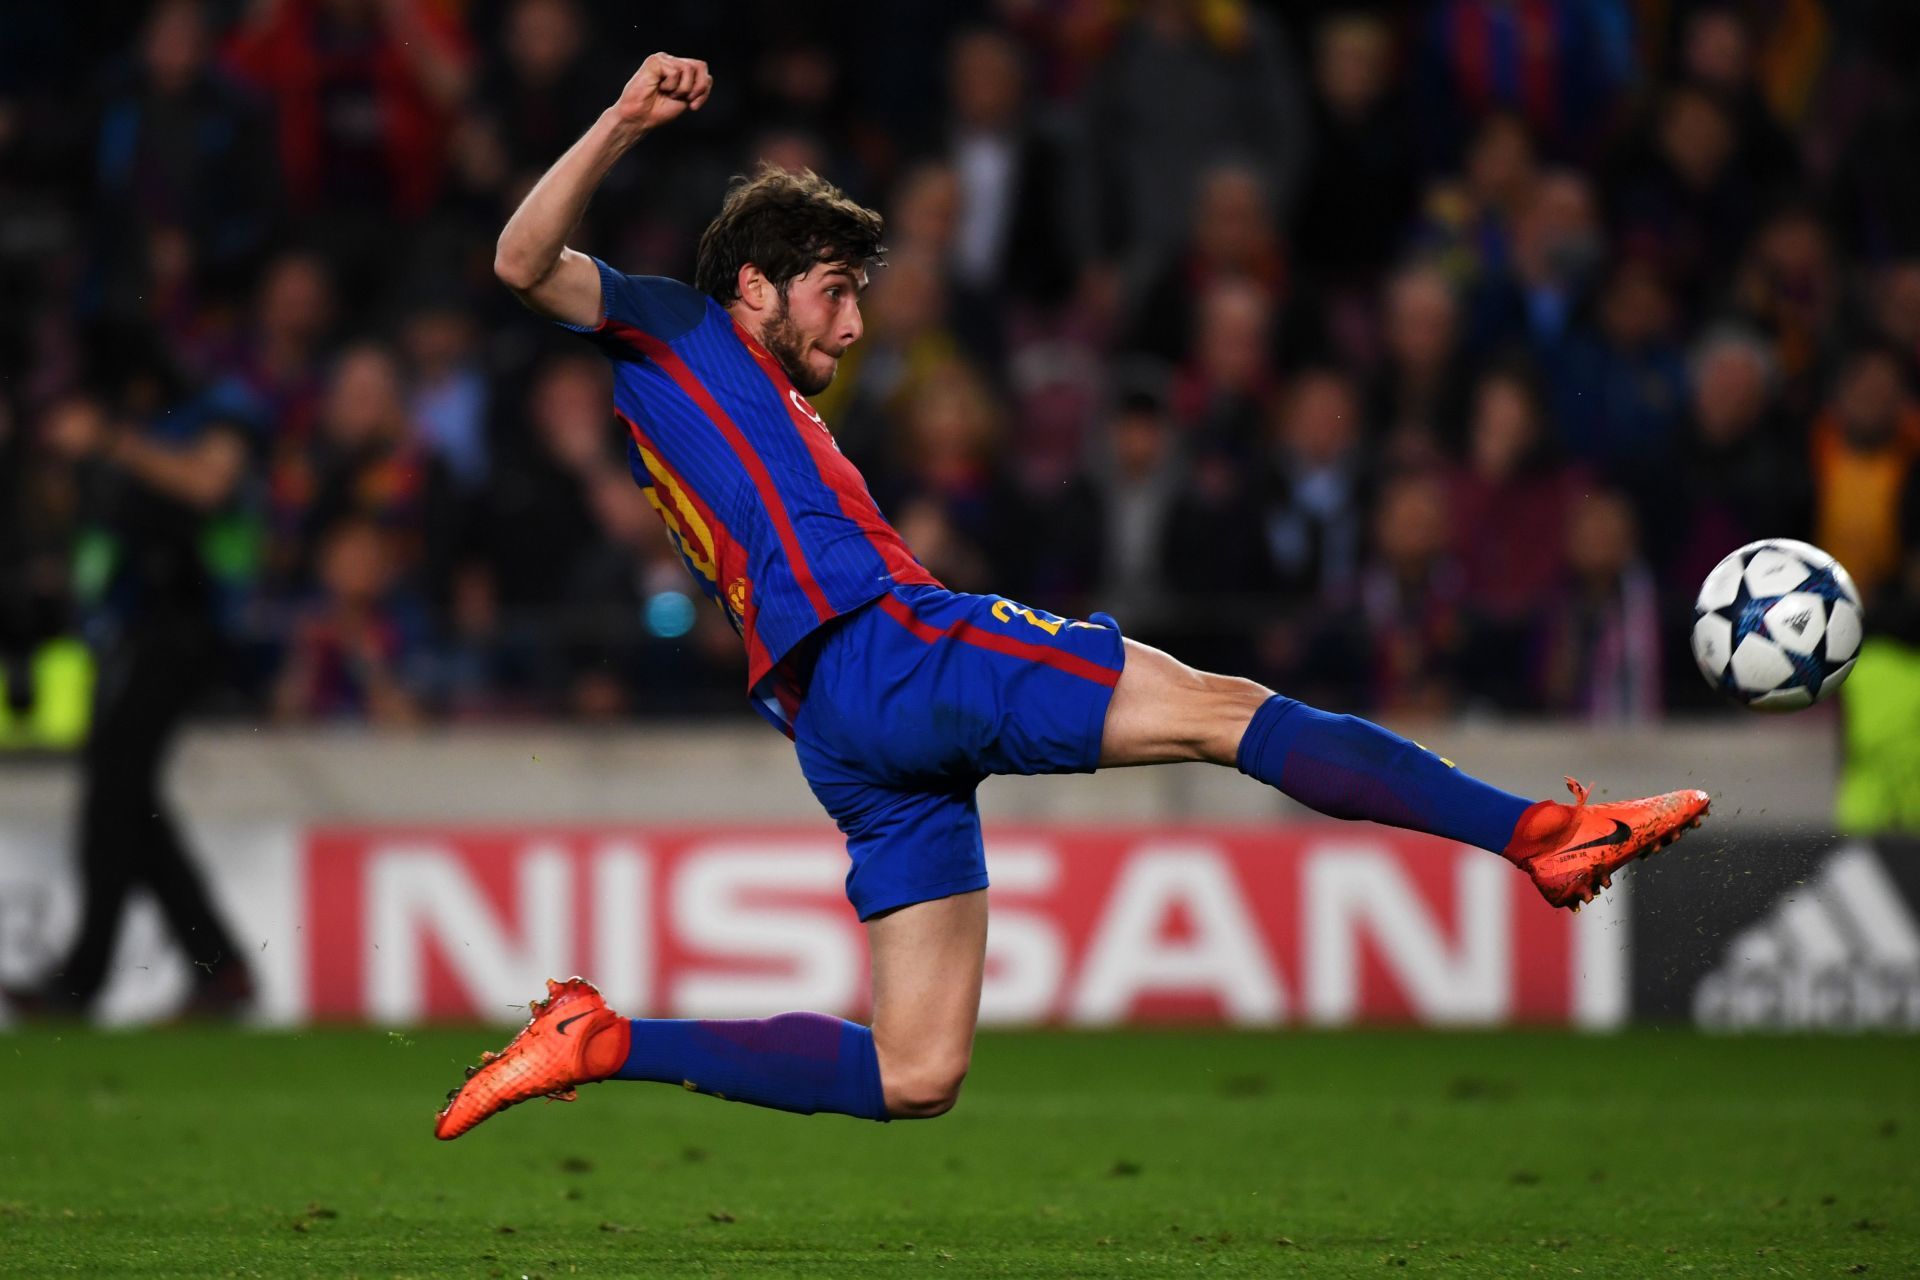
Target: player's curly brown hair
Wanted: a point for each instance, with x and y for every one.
(785, 224)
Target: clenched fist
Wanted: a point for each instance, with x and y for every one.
(663, 89)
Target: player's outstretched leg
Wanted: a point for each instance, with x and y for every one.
(1346, 767)
(927, 960)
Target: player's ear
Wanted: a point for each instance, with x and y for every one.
(755, 290)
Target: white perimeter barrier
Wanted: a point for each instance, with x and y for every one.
(442, 876)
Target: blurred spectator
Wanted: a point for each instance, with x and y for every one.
(1717, 53)
(1876, 192)
(547, 85)
(1220, 578)
(1793, 44)
(1865, 445)
(1897, 310)
(1737, 478)
(1466, 224)
(1558, 246)
(1602, 658)
(1361, 188)
(907, 338)
(1011, 238)
(1109, 545)
(1315, 490)
(928, 528)
(1233, 239)
(898, 53)
(1789, 285)
(350, 650)
(369, 461)
(185, 183)
(277, 357)
(952, 487)
(796, 78)
(1186, 85)
(447, 392)
(363, 90)
(1229, 371)
(540, 526)
(1419, 392)
(924, 219)
(616, 579)
(365, 93)
(1618, 391)
(545, 616)
(1679, 199)
(1411, 605)
(1509, 499)
(1564, 66)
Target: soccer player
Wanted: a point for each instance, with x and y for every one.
(900, 696)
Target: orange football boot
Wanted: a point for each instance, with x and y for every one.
(1572, 850)
(572, 1039)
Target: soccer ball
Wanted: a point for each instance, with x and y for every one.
(1777, 625)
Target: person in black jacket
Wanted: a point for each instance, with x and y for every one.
(1012, 234)
(150, 482)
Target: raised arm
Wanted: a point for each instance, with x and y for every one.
(532, 257)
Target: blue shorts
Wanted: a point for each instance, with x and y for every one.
(920, 694)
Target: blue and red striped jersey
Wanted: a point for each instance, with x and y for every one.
(773, 522)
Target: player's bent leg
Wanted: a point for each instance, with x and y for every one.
(1346, 767)
(804, 1062)
(928, 961)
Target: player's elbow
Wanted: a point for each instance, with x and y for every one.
(515, 275)
(515, 270)
(925, 1089)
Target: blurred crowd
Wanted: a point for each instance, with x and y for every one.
(1410, 357)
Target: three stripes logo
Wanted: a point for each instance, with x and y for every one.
(1841, 951)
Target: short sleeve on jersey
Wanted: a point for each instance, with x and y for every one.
(655, 305)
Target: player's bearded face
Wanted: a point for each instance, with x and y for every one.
(794, 349)
(817, 319)
(786, 343)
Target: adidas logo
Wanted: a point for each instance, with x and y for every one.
(1799, 621)
(1842, 952)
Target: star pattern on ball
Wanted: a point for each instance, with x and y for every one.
(1736, 646)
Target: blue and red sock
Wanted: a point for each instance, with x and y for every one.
(1347, 767)
(804, 1062)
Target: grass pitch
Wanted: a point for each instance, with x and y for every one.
(213, 1153)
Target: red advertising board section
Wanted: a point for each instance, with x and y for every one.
(1317, 924)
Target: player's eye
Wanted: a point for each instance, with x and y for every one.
(834, 293)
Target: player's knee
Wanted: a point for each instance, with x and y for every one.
(924, 1089)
